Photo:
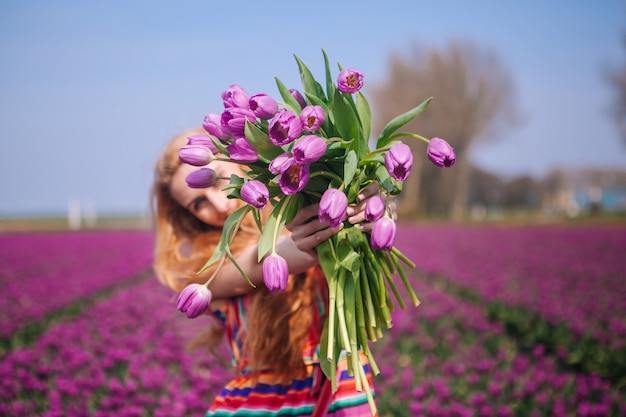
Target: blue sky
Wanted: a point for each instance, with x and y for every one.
(91, 91)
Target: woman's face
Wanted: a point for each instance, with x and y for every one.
(209, 205)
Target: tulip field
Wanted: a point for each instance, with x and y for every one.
(514, 321)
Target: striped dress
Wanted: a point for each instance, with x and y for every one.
(264, 397)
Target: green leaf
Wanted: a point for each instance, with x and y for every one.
(356, 237)
(348, 258)
(330, 86)
(384, 179)
(349, 166)
(398, 122)
(290, 102)
(365, 116)
(261, 142)
(229, 230)
(344, 118)
(310, 85)
(327, 257)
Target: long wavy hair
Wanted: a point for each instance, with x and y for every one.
(278, 324)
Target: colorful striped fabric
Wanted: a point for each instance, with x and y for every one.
(266, 398)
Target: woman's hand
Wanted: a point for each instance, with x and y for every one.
(308, 231)
(356, 213)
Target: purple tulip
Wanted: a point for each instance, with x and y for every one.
(194, 300)
(374, 208)
(204, 140)
(399, 160)
(441, 153)
(333, 206)
(241, 151)
(281, 163)
(235, 96)
(294, 178)
(201, 178)
(234, 120)
(312, 117)
(196, 155)
(298, 96)
(284, 128)
(383, 234)
(213, 125)
(350, 81)
(309, 149)
(255, 193)
(263, 106)
(275, 273)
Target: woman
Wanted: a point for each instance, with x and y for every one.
(274, 337)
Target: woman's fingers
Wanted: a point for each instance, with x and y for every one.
(356, 213)
(306, 242)
(304, 215)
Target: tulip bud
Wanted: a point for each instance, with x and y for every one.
(201, 178)
(312, 117)
(235, 96)
(398, 161)
(383, 234)
(255, 193)
(333, 206)
(281, 163)
(441, 153)
(275, 273)
(284, 128)
(298, 96)
(374, 208)
(196, 155)
(194, 300)
(294, 177)
(263, 106)
(204, 140)
(241, 151)
(234, 120)
(350, 81)
(309, 149)
(213, 125)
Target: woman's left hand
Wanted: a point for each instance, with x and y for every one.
(356, 213)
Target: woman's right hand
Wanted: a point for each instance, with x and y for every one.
(308, 231)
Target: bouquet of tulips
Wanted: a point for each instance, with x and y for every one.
(313, 146)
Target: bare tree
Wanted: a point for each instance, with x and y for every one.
(472, 98)
(617, 77)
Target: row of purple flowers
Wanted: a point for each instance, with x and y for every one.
(568, 275)
(445, 358)
(41, 273)
(124, 356)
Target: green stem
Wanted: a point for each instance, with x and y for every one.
(402, 257)
(392, 285)
(410, 135)
(365, 290)
(214, 274)
(279, 217)
(327, 174)
(368, 391)
(406, 282)
(361, 335)
(332, 308)
(343, 327)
